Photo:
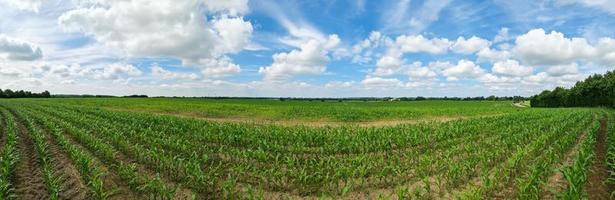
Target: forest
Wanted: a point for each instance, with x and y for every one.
(597, 90)
(8, 93)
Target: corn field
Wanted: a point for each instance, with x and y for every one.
(61, 151)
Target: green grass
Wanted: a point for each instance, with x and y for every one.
(274, 110)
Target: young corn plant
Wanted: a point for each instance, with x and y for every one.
(8, 158)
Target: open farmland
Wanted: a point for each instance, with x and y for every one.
(185, 149)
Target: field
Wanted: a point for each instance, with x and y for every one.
(122, 148)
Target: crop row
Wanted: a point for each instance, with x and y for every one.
(159, 156)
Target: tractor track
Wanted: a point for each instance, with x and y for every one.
(596, 187)
(29, 182)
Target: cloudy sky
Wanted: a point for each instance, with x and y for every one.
(309, 48)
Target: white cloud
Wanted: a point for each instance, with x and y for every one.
(30, 5)
(340, 84)
(418, 43)
(539, 48)
(511, 68)
(606, 51)
(388, 65)
(311, 58)
(165, 28)
(492, 55)
(471, 45)
(463, 70)
(502, 35)
(380, 83)
(13, 49)
(219, 67)
(419, 72)
(363, 52)
(116, 71)
(160, 72)
(232, 7)
(561, 70)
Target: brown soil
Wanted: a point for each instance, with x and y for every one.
(111, 180)
(29, 181)
(312, 123)
(557, 182)
(71, 184)
(182, 193)
(596, 186)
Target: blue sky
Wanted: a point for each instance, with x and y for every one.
(317, 48)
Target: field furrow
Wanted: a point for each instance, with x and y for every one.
(89, 153)
(596, 187)
(29, 181)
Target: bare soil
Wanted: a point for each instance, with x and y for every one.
(111, 180)
(29, 183)
(376, 123)
(71, 183)
(596, 186)
(557, 182)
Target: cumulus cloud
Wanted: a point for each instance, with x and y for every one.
(419, 72)
(492, 55)
(470, 45)
(160, 72)
(511, 68)
(562, 70)
(311, 58)
(13, 49)
(231, 7)
(363, 52)
(192, 30)
(115, 71)
(464, 69)
(219, 67)
(537, 47)
(339, 84)
(418, 43)
(388, 65)
(379, 83)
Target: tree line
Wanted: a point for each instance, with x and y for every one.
(596, 90)
(8, 93)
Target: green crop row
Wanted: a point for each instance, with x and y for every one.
(157, 156)
(9, 156)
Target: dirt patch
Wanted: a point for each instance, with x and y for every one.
(312, 123)
(71, 184)
(29, 182)
(557, 182)
(596, 186)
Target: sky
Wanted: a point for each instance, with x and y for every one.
(304, 48)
